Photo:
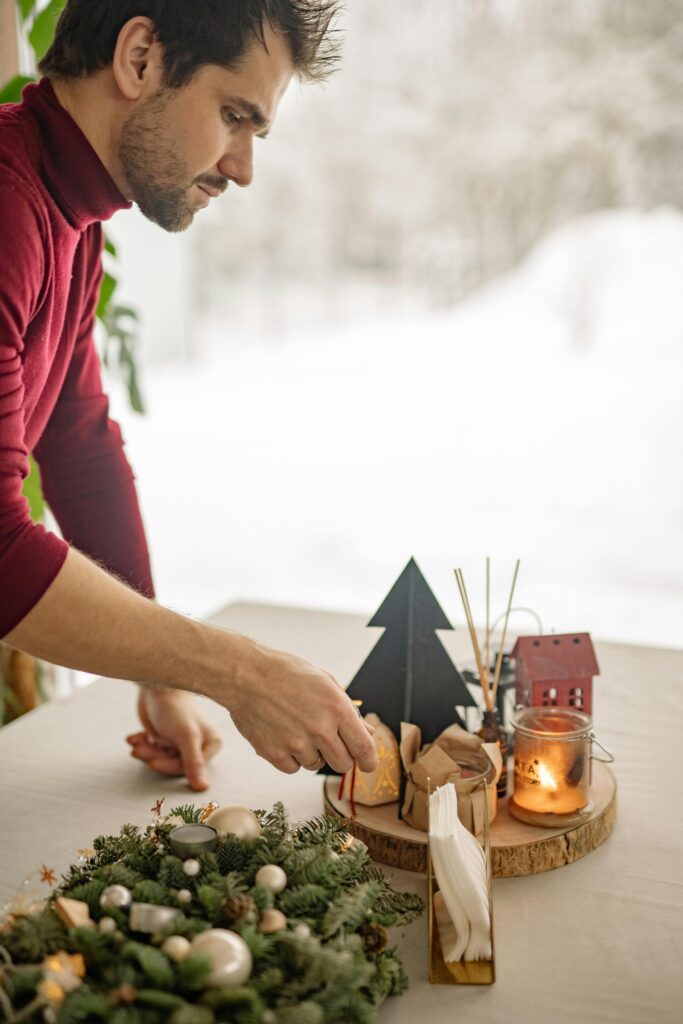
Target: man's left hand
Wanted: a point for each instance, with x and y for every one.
(176, 740)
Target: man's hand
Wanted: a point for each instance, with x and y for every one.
(177, 740)
(293, 714)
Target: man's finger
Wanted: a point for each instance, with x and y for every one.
(359, 744)
(194, 765)
(212, 744)
(166, 765)
(136, 737)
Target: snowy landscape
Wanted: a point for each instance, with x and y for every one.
(540, 418)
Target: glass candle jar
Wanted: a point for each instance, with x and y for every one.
(475, 782)
(552, 764)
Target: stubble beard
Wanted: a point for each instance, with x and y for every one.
(152, 166)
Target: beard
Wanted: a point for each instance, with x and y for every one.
(158, 177)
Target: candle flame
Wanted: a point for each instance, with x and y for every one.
(546, 778)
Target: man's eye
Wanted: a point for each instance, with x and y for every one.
(231, 116)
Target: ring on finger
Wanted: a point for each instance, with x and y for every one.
(316, 764)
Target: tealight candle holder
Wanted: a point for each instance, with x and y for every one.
(553, 753)
(192, 840)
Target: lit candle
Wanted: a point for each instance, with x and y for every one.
(552, 761)
(191, 840)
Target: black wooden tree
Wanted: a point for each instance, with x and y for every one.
(408, 675)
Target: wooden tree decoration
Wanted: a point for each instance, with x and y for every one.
(408, 676)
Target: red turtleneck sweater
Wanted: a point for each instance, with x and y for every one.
(54, 191)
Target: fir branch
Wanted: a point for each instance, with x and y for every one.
(274, 824)
(188, 812)
(192, 973)
(309, 900)
(231, 854)
(193, 1015)
(397, 908)
(303, 1013)
(154, 964)
(88, 892)
(33, 938)
(149, 891)
(351, 909)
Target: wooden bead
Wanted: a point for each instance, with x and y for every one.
(272, 921)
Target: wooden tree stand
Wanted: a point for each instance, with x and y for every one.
(516, 848)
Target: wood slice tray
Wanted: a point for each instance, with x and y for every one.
(516, 848)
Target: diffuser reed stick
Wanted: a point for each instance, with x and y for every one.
(488, 610)
(483, 674)
(499, 662)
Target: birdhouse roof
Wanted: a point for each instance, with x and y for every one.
(557, 656)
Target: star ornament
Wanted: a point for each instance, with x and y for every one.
(157, 807)
(207, 810)
(47, 875)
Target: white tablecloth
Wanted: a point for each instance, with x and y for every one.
(599, 940)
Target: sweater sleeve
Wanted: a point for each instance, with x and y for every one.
(30, 556)
(86, 477)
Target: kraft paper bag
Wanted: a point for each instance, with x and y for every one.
(436, 764)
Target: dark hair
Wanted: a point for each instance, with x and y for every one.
(194, 33)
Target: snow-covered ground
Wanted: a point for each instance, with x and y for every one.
(541, 419)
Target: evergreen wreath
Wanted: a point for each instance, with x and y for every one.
(330, 964)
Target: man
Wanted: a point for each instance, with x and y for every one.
(155, 102)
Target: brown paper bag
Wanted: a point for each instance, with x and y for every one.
(451, 758)
(382, 785)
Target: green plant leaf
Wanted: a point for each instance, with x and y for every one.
(11, 93)
(43, 28)
(107, 289)
(33, 493)
(25, 7)
(109, 246)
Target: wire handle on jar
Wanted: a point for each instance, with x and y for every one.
(603, 760)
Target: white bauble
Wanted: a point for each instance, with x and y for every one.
(237, 821)
(228, 954)
(107, 925)
(302, 931)
(116, 896)
(272, 921)
(191, 867)
(184, 896)
(173, 819)
(272, 877)
(176, 947)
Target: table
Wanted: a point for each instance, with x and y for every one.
(598, 941)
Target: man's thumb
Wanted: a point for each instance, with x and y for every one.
(194, 765)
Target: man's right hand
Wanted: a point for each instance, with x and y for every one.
(293, 714)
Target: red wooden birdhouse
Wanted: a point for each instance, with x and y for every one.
(555, 671)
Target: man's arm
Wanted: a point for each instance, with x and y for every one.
(286, 708)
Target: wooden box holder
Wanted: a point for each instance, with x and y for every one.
(462, 972)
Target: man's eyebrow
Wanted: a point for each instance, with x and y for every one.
(254, 113)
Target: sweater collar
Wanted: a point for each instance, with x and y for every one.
(77, 179)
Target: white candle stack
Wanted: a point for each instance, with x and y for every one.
(459, 863)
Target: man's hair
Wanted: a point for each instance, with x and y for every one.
(194, 33)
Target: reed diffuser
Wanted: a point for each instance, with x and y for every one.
(490, 731)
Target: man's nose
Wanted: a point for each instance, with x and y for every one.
(237, 163)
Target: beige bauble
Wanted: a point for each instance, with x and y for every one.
(272, 877)
(228, 954)
(272, 921)
(236, 821)
(176, 947)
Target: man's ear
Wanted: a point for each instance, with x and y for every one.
(137, 63)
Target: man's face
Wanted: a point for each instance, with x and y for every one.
(181, 147)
